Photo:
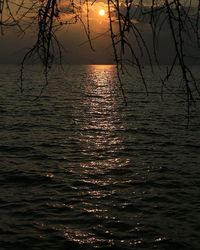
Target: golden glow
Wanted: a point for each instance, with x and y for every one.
(101, 12)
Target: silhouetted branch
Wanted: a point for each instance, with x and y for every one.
(180, 18)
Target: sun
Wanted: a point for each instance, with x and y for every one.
(102, 12)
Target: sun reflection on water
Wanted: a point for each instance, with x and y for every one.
(100, 135)
(101, 162)
(100, 128)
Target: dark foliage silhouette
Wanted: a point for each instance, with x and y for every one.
(182, 18)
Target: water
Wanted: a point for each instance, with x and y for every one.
(80, 170)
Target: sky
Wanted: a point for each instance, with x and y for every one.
(14, 44)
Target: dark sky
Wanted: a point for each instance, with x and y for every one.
(77, 50)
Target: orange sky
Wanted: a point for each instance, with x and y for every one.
(73, 38)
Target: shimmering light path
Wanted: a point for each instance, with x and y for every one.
(80, 170)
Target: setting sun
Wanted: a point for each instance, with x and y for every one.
(101, 12)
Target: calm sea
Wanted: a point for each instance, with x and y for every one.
(81, 170)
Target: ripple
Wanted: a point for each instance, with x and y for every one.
(80, 170)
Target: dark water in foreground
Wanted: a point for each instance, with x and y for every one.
(80, 170)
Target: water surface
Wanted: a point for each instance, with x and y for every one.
(80, 170)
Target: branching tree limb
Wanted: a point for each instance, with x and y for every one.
(181, 17)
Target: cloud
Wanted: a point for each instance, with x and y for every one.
(74, 39)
